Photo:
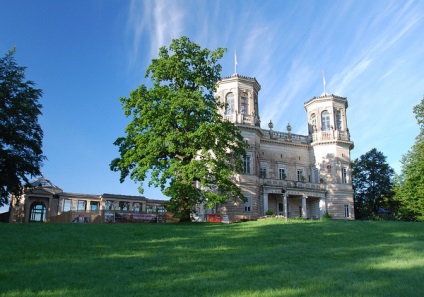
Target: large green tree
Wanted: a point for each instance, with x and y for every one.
(372, 181)
(410, 182)
(21, 135)
(177, 133)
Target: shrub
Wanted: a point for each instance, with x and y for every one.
(327, 216)
(269, 212)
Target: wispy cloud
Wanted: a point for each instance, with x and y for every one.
(386, 31)
(168, 23)
(349, 74)
(289, 87)
(155, 22)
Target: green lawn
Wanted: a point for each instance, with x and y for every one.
(263, 258)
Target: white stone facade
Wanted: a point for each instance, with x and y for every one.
(289, 174)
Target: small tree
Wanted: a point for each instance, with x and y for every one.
(177, 133)
(372, 181)
(409, 184)
(20, 133)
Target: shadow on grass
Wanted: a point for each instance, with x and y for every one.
(264, 258)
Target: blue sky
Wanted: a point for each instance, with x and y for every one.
(85, 54)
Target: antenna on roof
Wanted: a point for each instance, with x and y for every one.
(235, 62)
(323, 81)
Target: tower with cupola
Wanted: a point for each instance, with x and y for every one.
(239, 95)
(330, 147)
(289, 174)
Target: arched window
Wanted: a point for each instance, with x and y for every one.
(255, 107)
(325, 121)
(339, 120)
(229, 104)
(313, 122)
(37, 212)
(244, 104)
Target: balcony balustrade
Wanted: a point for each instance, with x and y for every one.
(293, 184)
(330, 135)
(240, 118)
(285, 136)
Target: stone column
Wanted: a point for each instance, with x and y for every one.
(49, 208)
(27, 207)
(265, 198)
(322, 207)
(285, 205)
(304, 211)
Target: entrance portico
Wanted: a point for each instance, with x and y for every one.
(294, 203)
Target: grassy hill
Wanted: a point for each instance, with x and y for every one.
(263, 258)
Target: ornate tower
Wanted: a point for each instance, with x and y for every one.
(330, 151)
(240, 95)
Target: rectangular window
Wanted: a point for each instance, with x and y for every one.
(263, 172)
(344, 174)
(315, 175)
(94, 206)
(280, 207)
(123, 205)
(246, 164)
(81, 205)
(282, 173)
(136, 206)
(300, 175)
(248, 204)
(110, 205)
(149, 209)
(66, 205)
(347, 211)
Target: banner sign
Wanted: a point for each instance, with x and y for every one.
(80, 218)
(128, 217)
(225, 219)
(214, 218)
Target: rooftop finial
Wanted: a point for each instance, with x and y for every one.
(270, 125)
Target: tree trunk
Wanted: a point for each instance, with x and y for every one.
(185, 216)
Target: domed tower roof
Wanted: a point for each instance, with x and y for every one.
(44, 183)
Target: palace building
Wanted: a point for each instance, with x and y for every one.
(288, 174)
(43, 201)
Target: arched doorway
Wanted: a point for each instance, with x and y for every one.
(37, 212)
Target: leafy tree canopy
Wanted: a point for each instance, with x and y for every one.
(409, 184)
(177, 134)
(372, 181)
(20, 133)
